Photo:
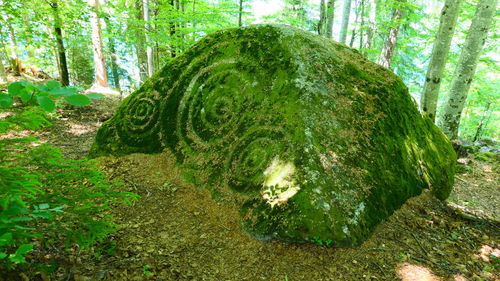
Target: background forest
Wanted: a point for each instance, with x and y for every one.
(128, 40)
(65, 66)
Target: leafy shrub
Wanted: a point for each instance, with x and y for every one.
(45, 95)
(45, 199)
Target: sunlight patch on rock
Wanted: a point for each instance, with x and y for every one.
(279, 182)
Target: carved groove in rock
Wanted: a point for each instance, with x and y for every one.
(311, 139)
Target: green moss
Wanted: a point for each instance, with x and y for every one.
(313, 139)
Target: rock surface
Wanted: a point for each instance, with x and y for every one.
(313, 141)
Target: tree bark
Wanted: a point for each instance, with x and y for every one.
(464, 72)
(140, 49)
(28, 30)
(14, 60)
(114, 57)
(173, 49)
(429, 97)
(240, 14)
(101, 76)
(372, 28)
(330, 11)
(356, 21)
(390, 45)
(61, 51)
(3, 74)
(149, 49)
(322, 18)
(362, 25)
(345, 21)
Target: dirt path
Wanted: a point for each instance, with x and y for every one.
(176, 232)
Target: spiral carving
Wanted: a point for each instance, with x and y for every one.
(139, 120)
(250, 156)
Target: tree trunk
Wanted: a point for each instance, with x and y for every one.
(140, 49)
(362, 25)
(429, 97)
(114, 57)
(466, 67)
(345, 21)
(240, 14)
(322, 18)
(388, 51)
(28, 30)
(173, 51)
(330, 10)
(3, 74)
(101, 76)
(483, 123)
(356, 21)
(372, 28)
(149, 49)
(61, 51)
(14, 60)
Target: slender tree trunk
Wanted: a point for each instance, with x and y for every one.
(390, 45)
(322, 18)
(149, 49)
(464, 73)
(14, 60)
(114, 57)
(345, 21)
(61, 51)
(194, 21)
(372, 28)
(362, 24)
(356, 21)
(240, 14)
(173, 47)
(3, 74)
(483, 122)
(330, 11)
(429, 97)
(28, 30)
(99, 63)
(140, 49)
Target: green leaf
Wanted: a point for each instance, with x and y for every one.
(43, 206)
(5, 101)
(25, 95)
(2, 255)
(53, 84)
(62, 92)
(95, 96)
(15, 88)
(46, 103)
(18, 256)
(78, 100)
(6, 239)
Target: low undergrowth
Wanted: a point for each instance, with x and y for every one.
(47, 202)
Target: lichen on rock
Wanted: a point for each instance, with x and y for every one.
(312, 139)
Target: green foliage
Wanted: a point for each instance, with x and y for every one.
(45, 95)
(45, 199)
(320, 242)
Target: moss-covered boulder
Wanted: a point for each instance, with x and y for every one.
(314, 141)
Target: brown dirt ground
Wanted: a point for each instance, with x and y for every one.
(176, 232)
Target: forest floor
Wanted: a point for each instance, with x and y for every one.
(177, 232)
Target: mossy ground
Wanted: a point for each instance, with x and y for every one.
(176, 232)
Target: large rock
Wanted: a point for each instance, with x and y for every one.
(314, 141)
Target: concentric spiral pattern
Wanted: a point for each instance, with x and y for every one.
(222, 107)
(139, 122)
(303, 133)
